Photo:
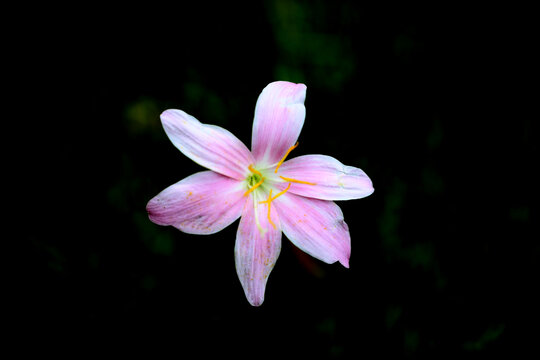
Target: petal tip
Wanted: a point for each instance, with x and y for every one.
(345, 262)
(256, 302)
(295, 92)
(150, 205)
(173, 116)
(152, 208)
(167, 114)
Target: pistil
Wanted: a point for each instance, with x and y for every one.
(270, 199)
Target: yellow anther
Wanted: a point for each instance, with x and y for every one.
(285, 156)
(250, 167)
(297, 181)
(282, 192)
(254, 186)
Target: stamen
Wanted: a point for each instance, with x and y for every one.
(250, 167)
(297, 181)
(282, 192)
(254, 186)
(284, 157)
(269, 201)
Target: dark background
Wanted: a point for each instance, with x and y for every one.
(429, 101)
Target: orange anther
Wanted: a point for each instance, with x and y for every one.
(285, 156)
(282, 192)
(297, 181)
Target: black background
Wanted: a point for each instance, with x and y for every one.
(429, 101)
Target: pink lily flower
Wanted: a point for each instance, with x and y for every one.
(268, 194)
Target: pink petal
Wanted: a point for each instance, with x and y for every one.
(316, 227)
(208, 145)
(257, 249)
(332, 179)
(203, 203)
(279, 117)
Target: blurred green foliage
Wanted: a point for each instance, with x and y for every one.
(490, 335)
(305, 50)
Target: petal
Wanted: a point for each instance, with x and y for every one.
(257, 248)
(279, 117)
(203, 203)
(316, 227)
(210, 146)
(332, 179)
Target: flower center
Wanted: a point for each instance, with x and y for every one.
(253, 179)
(256, 179)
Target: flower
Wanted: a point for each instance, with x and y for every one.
(269, 194)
